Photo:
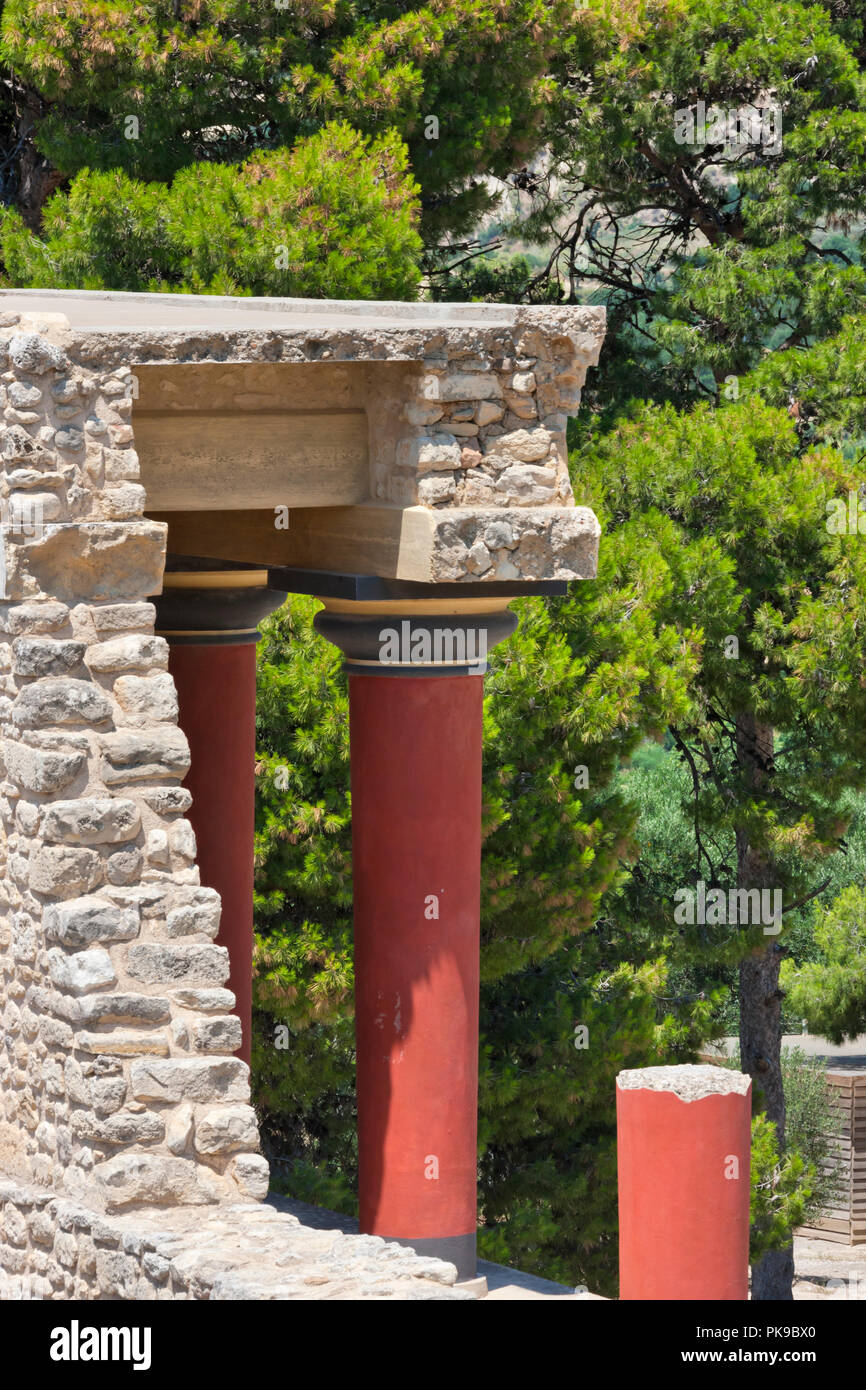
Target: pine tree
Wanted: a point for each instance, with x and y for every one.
(737, 513)
(152, 88)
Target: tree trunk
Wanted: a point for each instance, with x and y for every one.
(37, 179)
(760, 998)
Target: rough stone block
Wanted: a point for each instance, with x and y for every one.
(155, 964)
(81, 921)
(217, 1034)
(56, 700)
(92, 821)
(227, 1129)
(65, 872)
(135, 756)
(82, 972)
(200, 1079)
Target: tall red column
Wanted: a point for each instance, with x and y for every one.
(216, 691)
(416, 739)
(416, 818)
(210, 618)
(683, 1158)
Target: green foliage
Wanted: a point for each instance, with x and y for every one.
(707, 250)
(830, 993)
(333, 217)
(801, 1188)
(214, 80)
(812, 1123)
(780, 1192)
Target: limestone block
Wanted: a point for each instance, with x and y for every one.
(432, 452)
(131, 1179)
(120, 1128)
(65, 872)
(227, 1129)
(81, 921)
(194, 1079)
(202, 914)
(217, 1034)
(205, 1000)
(131, 756)
(31, 353)
(123, 1044)
(83, 971)
(56, 700)
(469, 386)
(122, 1008)
(92, 821)
(128, 653)
(147, 699)
(41, 656)
(179, 1128)
(252, 1175)
(155, 964)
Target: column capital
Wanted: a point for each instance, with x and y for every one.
(416, 637)
(213, 603)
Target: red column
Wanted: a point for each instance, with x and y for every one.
(683, 1147)
(210, 618)
(216, 689)
(416, 817)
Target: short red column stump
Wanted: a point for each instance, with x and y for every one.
(683, 1160)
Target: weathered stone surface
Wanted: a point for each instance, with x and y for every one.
(42, 656)
(147, 699)
(65, 872)
(30, 352)
(128, 653)
(118, 1043)
(44, 616)
(195, 1079)
(227, 1129)
(82, 972)
(138, 1178)
(132, 756)
(38, 771)
(119, 1128)
(81, 921)
(58, 701)
(205, 1000)
(234, 1250)
(252, 1175)
(155, 964)
(92, 821)
(165, 801)
(202, 914)
(123, 1008)
(217, 1034)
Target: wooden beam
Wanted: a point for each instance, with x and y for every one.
(391, 542)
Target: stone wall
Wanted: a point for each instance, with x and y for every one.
(51, 1248)
(486, 446)
(117, 1083)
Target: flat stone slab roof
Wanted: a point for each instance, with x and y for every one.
(178, 326)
